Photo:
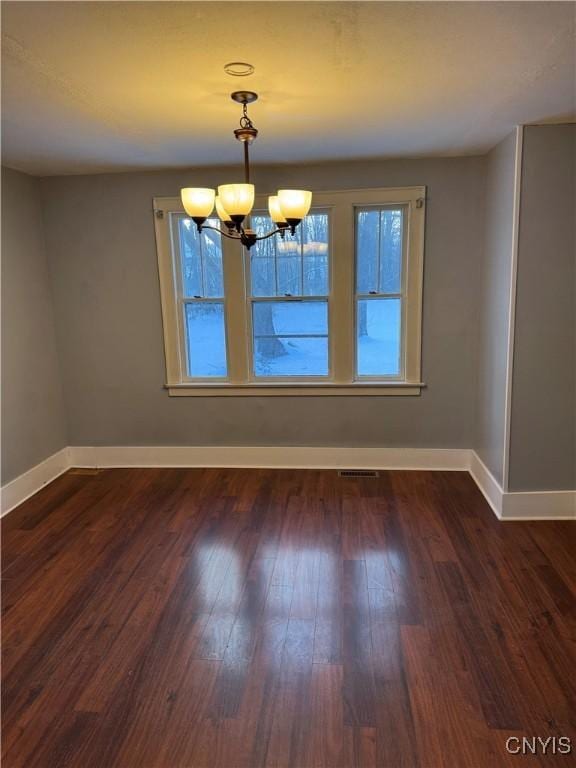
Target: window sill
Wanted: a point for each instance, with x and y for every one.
(268, 389)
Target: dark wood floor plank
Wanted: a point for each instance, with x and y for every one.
(208, 618)
(325, 743)
(428, 704)
(258, 707)
(237, 659)
(291, 723)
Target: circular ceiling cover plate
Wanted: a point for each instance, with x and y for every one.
(244, 97)
(239, 68)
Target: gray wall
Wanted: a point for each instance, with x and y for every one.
(494, 305)
(33, 421)
(99, 235)
(100, 238)
(543, 417)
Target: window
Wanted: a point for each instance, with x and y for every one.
(334, 310)
(288, 299)
(379, 294)
(201, 295)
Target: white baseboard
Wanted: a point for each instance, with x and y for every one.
(288, 457)
(487, 483)
(521, 505)
(30, 482)
(538, 505)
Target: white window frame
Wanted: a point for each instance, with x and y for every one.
(342, 206)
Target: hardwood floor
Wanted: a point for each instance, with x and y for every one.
(245, 618)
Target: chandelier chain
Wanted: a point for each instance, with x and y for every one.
(245, 121)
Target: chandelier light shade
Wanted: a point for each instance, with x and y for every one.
(237, 199)
(275, 211)
(294, 204)
(198, 202)
(234, 202)
(223, 214)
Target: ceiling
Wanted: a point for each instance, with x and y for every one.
(99, 86)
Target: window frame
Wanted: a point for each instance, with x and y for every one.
(342, 299)
(182, 300)
(402, 294)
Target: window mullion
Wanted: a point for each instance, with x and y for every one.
(302, 264)
(341, 315)
(202, 265)
(378, 263)
(276, 267)
(235, 310)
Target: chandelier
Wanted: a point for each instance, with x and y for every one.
(234, 202)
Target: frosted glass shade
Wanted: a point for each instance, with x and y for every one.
(237, 199)
(294, 203)
(223, 214)
(275, 211)
(198, 202)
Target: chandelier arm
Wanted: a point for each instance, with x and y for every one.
(221, 231)
(246, 237)
(278, 231)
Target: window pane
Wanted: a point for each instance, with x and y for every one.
(315, 274)
(292, 266)
(314, 238)
(290, 338)
(367, 229)
(201, 260)
(289, 275)
(378, 329)
(263, 270)
(379, 251)
(263, 260)
(390, 251)
(206, 338)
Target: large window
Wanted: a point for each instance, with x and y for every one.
(334, 310)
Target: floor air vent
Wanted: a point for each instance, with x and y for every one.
(358, 473)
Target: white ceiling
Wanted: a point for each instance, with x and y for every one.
(96, 86)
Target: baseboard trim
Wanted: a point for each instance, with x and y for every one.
(512, 506)
(539, 505)
(270, 457)
(521, 505)
(27, 484)
(487, 483)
